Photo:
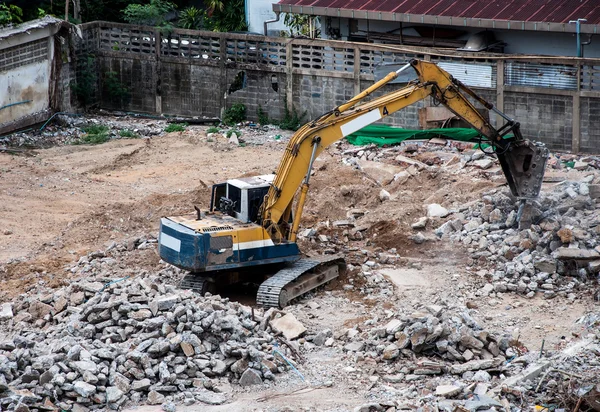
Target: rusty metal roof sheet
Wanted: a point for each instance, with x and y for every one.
(540, 11)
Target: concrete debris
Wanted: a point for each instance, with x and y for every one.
(104, 352)
(539, 258)
(435, 210)
(289, 326)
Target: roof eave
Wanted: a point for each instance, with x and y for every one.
(437, 20)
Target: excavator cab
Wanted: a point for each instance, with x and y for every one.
(241, 198)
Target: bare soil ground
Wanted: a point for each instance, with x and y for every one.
(67, 201)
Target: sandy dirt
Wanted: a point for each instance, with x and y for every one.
(66, 201)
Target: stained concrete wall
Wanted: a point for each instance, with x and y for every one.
(194, 73)
(25, 82)
(35, 72)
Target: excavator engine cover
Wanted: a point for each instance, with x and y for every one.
(523, 163)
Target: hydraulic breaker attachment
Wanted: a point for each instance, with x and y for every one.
(523, 163)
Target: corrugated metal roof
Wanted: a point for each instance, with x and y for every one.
(546, 11)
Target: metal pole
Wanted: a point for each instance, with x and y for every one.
(578, 38)
(578, 30)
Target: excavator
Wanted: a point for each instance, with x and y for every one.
(251, 227)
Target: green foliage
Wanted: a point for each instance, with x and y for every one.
(95, 134)
(235, 114)
(192, 18)
(302, 24)
(115, 89)
(86, 81)
(231, 17)
(263, 117)
(128, 134)
(175, 127)
(10, 14)
(232, 131)
(212, 129)
(214, 5)
(153, 14)
(291, 120)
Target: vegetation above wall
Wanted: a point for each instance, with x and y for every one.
(216, 15)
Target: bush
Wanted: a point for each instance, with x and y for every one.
(232, 131)
(116, 91)
(235, 114)
(95, 134)
(212, 129)
(128, 134)
(175, 127)
(263, 117)
(291, 120)
(86, 81)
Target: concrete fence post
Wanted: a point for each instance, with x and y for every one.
(289, 75)
(356, 70)
(576, 138)
(223, 76)
(499, 89)
(157, 71)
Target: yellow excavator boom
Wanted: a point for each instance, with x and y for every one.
(522, 161)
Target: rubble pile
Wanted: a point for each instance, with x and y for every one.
(452, 335)
(69, 128)
(101, 345)
(550, 245)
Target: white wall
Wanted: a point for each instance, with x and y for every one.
(518, 42)
(21, 84)
(257, 11)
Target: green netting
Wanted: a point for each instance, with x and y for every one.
(382, 134)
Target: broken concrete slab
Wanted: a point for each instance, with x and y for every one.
(564, 253)
(436, 210)
(447, 390)
(289, 326)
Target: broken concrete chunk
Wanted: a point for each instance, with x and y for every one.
(289, 326)
(483, 163)
(250, 377)
(6, 312)
(447, 390)
(84, 389)
(436, 210)
(421, 223)
(564, 253)
(384, 195)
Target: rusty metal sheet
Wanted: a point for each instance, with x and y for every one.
(550, 11)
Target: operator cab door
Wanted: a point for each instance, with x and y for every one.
(218, 191)
(256, 198)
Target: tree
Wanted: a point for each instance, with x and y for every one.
(10, 14)
(301, 24)
(153, 14)
(230, 18)
(192, 18)
(214, 5)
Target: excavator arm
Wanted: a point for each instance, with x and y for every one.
(522, 161)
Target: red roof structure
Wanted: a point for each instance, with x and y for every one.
(538, 15)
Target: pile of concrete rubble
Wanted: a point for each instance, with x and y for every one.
(549, 245)
(69, 128)
(102, 344)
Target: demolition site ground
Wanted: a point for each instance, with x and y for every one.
(446, 297)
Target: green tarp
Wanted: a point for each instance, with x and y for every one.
(382, 134)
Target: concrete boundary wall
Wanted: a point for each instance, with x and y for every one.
(196, 73)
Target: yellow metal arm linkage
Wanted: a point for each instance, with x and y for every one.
(312, 138)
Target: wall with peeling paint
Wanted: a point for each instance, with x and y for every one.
(24, 91)
(29, 74)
